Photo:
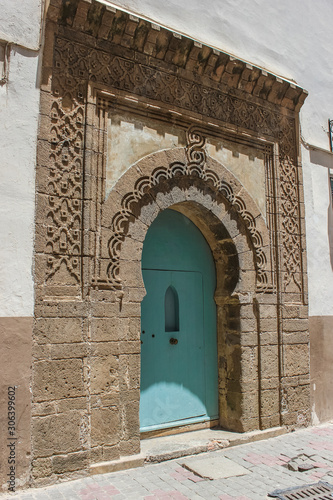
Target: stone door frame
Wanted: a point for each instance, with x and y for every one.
(86, 350)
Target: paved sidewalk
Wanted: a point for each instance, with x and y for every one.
(275, 463)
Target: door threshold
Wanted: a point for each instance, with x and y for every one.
(183, 444)
(180, 429)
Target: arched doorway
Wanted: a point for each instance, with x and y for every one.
(178, 326)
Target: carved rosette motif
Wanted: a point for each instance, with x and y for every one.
(75, 65)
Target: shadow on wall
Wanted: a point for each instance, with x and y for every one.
(330, 220)
(325, 159)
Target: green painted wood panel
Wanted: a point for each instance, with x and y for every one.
(178, 380)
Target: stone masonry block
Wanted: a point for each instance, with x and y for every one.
(59, 330)
(296, 338)
(269, 360)
(69, 404)
(69, 350)
(107, 329)
(130, 447)
(149, 213)
(250, 407)
(101, 349)
(58, 379)
(249, 364)
(56, 434)
(104, 374)
(70, 463)
(130, 420)
(130, 273)
(42, 467)
(268, 324)
(105, 426)
(110, 453)
(296, 359)
(129, 369)
(295, 325)
(298, 399)
(131, 249)
(270, 403)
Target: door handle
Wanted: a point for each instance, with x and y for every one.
(173, 341)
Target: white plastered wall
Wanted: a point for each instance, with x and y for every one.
(20, 24)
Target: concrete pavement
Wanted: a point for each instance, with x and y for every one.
(244, 472)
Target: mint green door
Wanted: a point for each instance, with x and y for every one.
(178, 326)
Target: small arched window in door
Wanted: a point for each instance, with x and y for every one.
(171, 309)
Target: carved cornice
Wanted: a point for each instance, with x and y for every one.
(138, 39)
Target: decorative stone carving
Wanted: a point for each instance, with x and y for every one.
(292, 265)
(64, 216)
(79, 63)
(161, 180)
(195, 151)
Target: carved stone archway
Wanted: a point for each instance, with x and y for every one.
(88, 283)
(207, 193)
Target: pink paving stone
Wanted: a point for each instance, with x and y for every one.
(178, 476)
(87, 495)
(95, 496)
(228, 497)
(316, 475)
(160, 494)
(284, 458)
(269, 460)
(95, 492)
(321, 445)
(182, 474)
(322, 465)
(111, 489)
(195, 479)
(322, 432)
(181, 470)
(178, 496)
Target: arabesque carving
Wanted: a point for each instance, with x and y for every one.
(79, 63)
(132, 202)
(291, 225)
(195, 148)
(75, 65)
(64, 215)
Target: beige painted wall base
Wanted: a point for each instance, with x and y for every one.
(15, 363)
(321, 367)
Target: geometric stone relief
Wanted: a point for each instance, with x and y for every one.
(186, 174)
(81, 63)
(64, 213)
(292, 266)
